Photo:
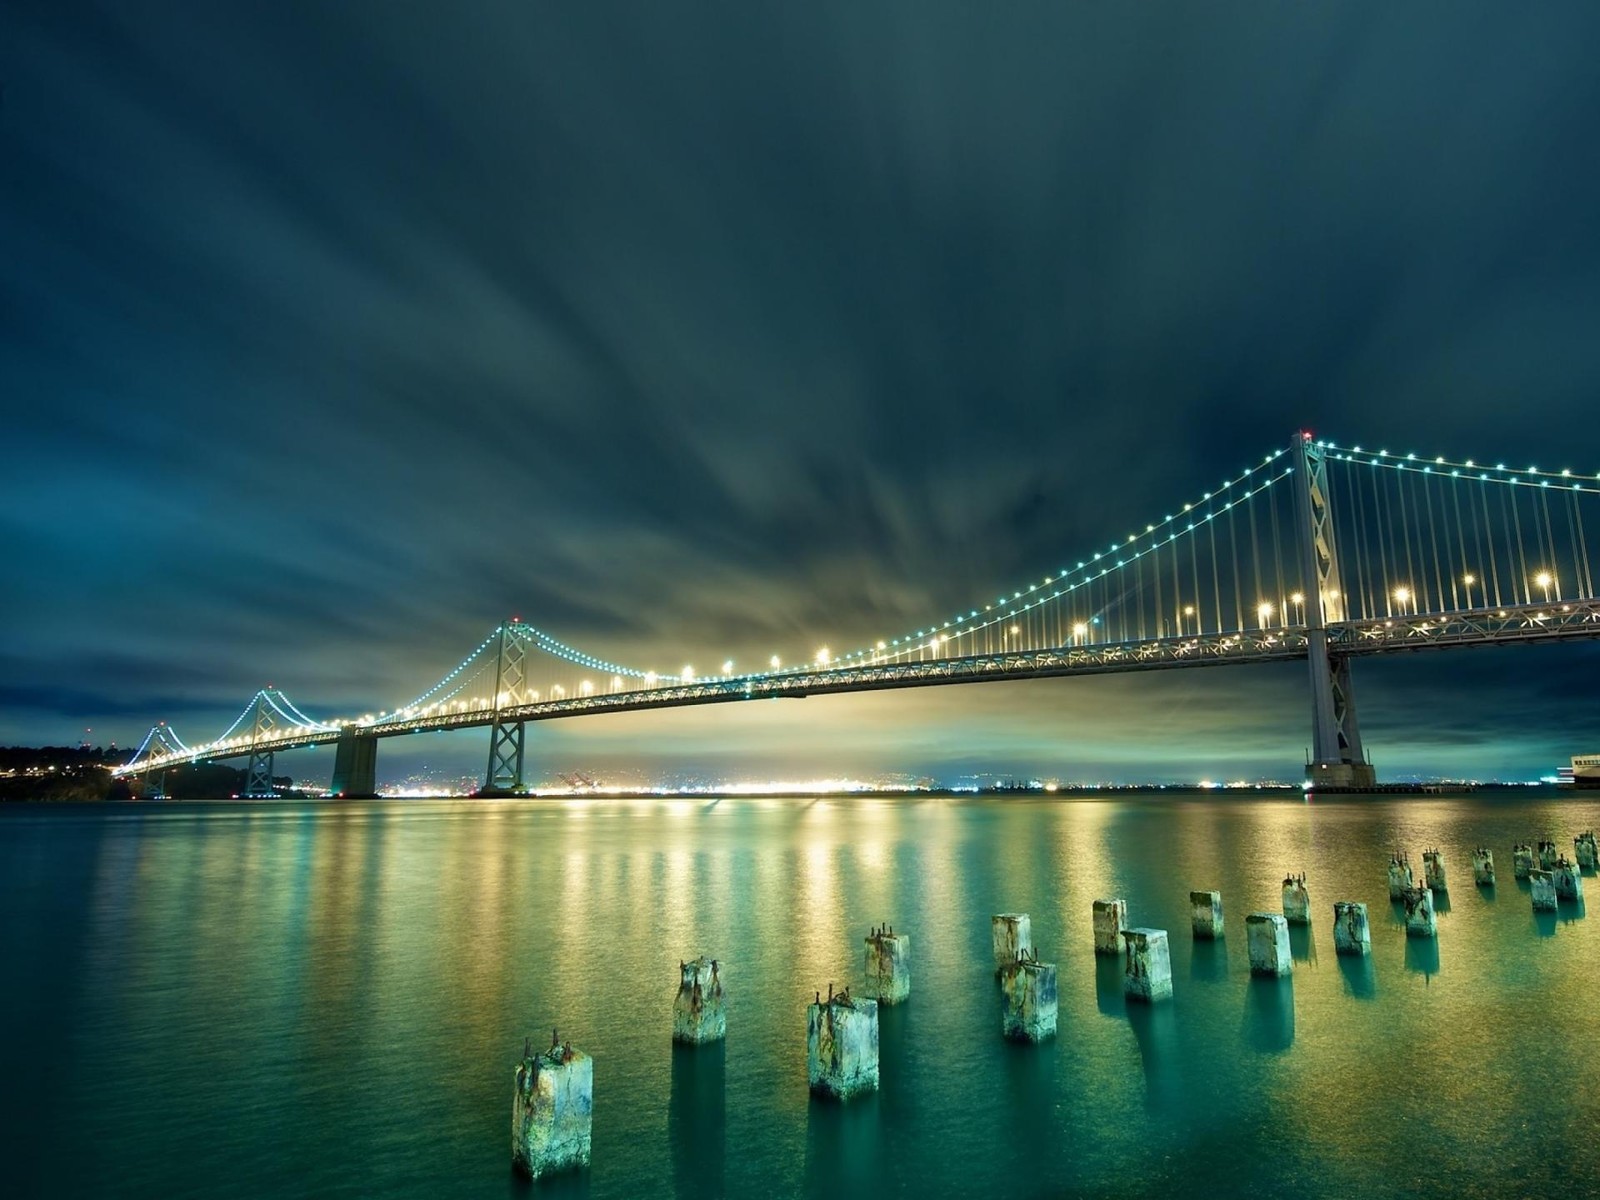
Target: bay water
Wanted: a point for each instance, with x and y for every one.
(319, 998)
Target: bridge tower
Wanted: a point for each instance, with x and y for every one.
(1337, 760)
(264, 723)
(507, 738)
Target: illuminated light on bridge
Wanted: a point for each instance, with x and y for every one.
(1401, 552)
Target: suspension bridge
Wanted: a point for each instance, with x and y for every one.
(1318, 552)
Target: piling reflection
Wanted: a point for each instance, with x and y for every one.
(1571, 910)
(1422, 956)
(1302, 944)
(697, 1119)
(1441, 902)
(1269, 1014)
(844, 1153)
(1155, 1029)
(1108, 994)
(1208, 963)
(1360, 975)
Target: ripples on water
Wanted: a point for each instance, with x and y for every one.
(325, 999)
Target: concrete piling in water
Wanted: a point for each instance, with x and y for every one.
(1522, 860)
(1399, 875)
(552, 1109)
(888, 965)
(1351, 933)
(1296, 900)
(1547, 856)
(1420, 918)
(1147, 972)
(1543, 885)
(1029, 1011)
(1267, 936)
(1586, 851)
(1568, 881)
(1013, 934)
(842, 1045)
(1207, 914)
(1110, 919)
(1433, 876)
(698, 1013)
(1483, 867)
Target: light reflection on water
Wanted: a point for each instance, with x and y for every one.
(324, 999)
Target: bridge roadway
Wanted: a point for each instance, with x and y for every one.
(1559, 620)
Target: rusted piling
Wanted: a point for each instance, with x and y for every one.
(1013, 934)
(1267, 936)
(888, 965)
(698, 1012)
(1028, 1013)
(552, 1109)
(1399, 875)
(1147, 972)
(1420, 918)
(1206, 913)
(1351, 933)
(1296, 900)
(842, 1045)
(1110, 919)
(1483, 867)
(1433, 873)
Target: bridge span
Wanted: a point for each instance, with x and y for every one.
(1429, 554)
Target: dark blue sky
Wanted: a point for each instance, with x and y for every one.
(332, 334)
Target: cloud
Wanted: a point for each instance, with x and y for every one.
(345, 333)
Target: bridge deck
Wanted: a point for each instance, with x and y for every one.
(1528, 623)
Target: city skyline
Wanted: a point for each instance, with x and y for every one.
(342, 340)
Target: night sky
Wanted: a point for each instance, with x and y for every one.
(332, 334)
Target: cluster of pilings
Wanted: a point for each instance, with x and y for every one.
(552, 1101)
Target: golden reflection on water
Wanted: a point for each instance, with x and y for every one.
(330, 953)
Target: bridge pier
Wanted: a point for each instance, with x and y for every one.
(1337, 761)
(355, 766)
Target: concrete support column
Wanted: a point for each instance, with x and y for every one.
(842, 1045)
(1013, 934)
(1568, 881)
(552, 1109)
(1586, 851)
(1544, 890)
(888, 965)
(1207, 913)
(1399, 875)
(1522, 860)
(355, 766)
(1351, 933)
(1110, 919)
(698, 1013)
(1547, 856)
(1433, 875)
(1267, 936)
(1147, 974)
(1029, 1014)
(1420, 918)
(1483, 867)
(1296, 900)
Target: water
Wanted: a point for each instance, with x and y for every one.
(326, 999)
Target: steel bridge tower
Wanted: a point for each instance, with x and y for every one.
(1337, 760)
(264, 723)
(507, 738)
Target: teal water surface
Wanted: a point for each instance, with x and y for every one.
(318, 998)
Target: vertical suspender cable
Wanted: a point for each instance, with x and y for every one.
(1490, 540)
(1433, 534)
(1522, 551)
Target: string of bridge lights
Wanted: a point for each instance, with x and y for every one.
(1222, 500)
(911, 643)
(1439, 465)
